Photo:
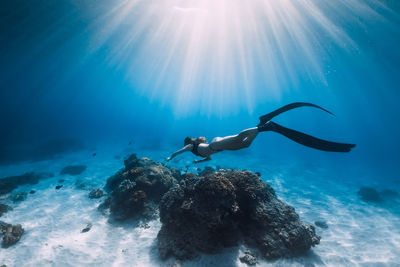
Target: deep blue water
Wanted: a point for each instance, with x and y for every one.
(152, 73)
(79, 77)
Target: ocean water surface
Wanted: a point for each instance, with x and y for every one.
(91, 82)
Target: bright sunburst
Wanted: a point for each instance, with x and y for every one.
(215, 56)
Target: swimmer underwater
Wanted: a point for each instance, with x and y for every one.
(201, 148)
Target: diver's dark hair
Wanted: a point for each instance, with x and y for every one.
(194, 141)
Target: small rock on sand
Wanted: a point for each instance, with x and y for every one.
(248, 258)
(11, 233)
(321, 224)
(96, 193)
(87, 228)
(19, 196)
(177, 263)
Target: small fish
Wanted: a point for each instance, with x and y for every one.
(58, 187)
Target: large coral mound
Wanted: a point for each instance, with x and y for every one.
(136, 190)
(226, 208)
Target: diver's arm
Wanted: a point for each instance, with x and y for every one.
(202, 160)
(184, 149)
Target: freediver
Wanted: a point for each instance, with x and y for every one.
(199, 146)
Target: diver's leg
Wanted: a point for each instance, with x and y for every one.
(306, 139)
(247, 136)
(235, 142)
(267, 117)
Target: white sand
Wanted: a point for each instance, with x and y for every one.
(359, 234)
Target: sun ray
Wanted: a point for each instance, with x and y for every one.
(220, 56)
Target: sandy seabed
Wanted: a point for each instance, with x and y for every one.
(359, 233)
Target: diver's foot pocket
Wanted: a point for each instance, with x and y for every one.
(268, 126)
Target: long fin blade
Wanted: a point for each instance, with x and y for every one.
(310, 141)
(269, 116)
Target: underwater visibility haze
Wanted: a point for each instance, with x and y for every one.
(85, 84)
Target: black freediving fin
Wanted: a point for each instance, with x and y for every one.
(269, 116)
(305, 139)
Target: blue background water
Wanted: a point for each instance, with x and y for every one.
(153, 73)
(93, 76)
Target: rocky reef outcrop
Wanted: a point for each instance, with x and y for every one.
(136, 190)
(207, 212)
(47, 149)
(4, 208)
(226, 208)
(371, 195)
(10, 183)
(73, 169)
(11, 234)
